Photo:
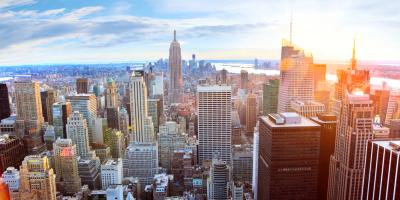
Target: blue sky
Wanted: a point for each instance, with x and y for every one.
(81, 31)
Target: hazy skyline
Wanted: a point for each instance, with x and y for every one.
(73, 31)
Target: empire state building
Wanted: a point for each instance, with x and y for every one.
(175, 72)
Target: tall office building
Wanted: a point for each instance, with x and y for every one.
(270, 96)
(86, 104)
(244, 80)
(111, 173)
(224, 76)
(66, 166)
(89, 171)
(124, 121)
(12, 178)
(37, 179)
(153, 109)
(5, 110)
(328, 122)
(77, 131)
(113, 117)
(353, 131)
(138, 107)
(242, 163)
(214, 122)
(169, 140)
(116, 141)
(158, 85)
(175, 92)
(141, 161)
(288, 160)
(256, 153)
(29, 115)
(61, 112)
(381, 174)
(48, 98)
(219, 180)
(296, 77)
(251, 113)
(82, 85)
(111, 94)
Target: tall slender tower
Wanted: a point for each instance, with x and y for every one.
(251, 113)
(82, 85)
(48, 98)
(111, 94)
(141, 122)
(175, 72)
(66, 166)
(37, 179)
(29, 115)
(214, 122)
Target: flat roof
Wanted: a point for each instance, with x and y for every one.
(214, 88)
(304, 123)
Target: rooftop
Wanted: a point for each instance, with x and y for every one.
(287, 120)
(214, 88)
(392, 145)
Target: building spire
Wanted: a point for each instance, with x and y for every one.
(353, 59)
(174, 35)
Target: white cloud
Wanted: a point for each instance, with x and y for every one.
(13, 3)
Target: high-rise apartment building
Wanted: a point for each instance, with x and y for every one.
(61, 112)
(37, 179)
(29, 115)
(296, 77)
(251, 113)
(86, 105)
(141, 161)
(328, 122)
(175, 92)
(138, 107)
(288, 159)
(381, 174)
(270, 96)
(219, 180)
(5, 110)
(82, 85)
(307, 108)
(77, 131)
(66, 166)
(214, 122)
(169, 140)
(48, 98)
(111, 173)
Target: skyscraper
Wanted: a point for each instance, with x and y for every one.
(77, 131)
(111, 172)
(288, 159)
(169, 140)
(66, 166)
(296, 77)
(48, 98)
(82, 85)
(354, 129)
(219, 180)
(111, 94)
(355, 118)
(175, 72)
(214, 122)
(12, 152)
(251, 113)
(393, 108)
(381, 174)
(138, 108)
(29, 115)
(5, 110)
(244, 80)
(61, 112)
(270, 96)
(86, 105)
(307, 108)
(37, 179)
